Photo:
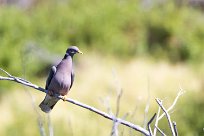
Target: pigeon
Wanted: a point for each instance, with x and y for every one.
(60, 80)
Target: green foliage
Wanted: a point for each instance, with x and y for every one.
(191, 116)
(121, 28)
(174, 31)
(110, 27)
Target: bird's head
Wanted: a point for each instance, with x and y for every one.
(73, 50)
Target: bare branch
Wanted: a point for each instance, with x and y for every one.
(181, 92)
(90, 108)
(149, 123)
(114, 131)
(9, 75)
(119, 91)
(159, 117)
(124, 117)
(160, 131)
(118, 102)
(157, 121)
(175, 128)
(167, 115)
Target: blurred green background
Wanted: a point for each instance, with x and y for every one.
(148, 48)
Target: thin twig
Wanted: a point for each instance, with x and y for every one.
(167, 115)
(160, 131)
(114, 131)
(175, 128)
(9, 75)
(90, 108)
(124, 117)
(118, 102)
(159, 117)
(149, 123)
(181, 92)
(119, 91)
(156, 122)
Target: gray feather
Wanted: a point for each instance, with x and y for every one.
(49, 102)
(60, 80)
(72, 79)
(50, 76)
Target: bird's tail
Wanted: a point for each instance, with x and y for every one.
(48, 103)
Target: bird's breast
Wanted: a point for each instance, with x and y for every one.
(60, 83)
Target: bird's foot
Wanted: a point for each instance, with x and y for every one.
(50, 93)
(64, 98)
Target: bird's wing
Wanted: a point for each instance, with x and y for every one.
(50, 76)
(72, 79)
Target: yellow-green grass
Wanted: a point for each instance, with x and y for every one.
(97, 80)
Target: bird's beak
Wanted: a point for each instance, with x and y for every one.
(80, 52)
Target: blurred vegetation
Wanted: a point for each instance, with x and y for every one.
(30, 35)
(121, 28)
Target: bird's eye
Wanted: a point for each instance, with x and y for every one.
(72, 51)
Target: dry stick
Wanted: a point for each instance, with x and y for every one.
(119, 91)
(160, 131)
(90, 108)
(167, 115)
(156, 122)
(124, 117)
(9, 75)
(116, 126)
(181, 92)
(174, 103)
(149, 123)
(118, 102)
(114, 131)
(175, 128)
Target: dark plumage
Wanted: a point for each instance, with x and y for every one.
(60, 80)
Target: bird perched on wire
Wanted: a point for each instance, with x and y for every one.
(60, 80)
